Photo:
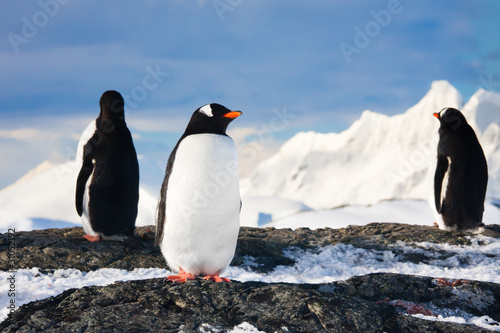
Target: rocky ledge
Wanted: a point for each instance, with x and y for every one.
(52, 249)
(369, 303)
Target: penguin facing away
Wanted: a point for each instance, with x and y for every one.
(107, 186)
(461, 175)
(197, 220)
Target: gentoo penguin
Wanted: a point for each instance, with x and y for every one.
(107, 186)
(197, 220)
(461, 174)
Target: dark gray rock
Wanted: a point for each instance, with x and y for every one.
(52, 249)
(370, 303)
(355, 305)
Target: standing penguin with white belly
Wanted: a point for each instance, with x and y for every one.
(197, 220)
(107, 186)
(461, 174)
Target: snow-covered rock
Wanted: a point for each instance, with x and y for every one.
(378, 158)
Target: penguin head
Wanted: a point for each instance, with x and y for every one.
(450, 118)
(112, 105)
(211, 118)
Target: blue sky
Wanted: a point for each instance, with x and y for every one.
(170, 57)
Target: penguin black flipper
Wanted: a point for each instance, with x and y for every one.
(162, 203)
(83, 176)
(442, 167)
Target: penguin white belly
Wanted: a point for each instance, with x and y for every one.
(87, 134)
(439, 217)
(84, 139)
(203, 204)
(85, 212)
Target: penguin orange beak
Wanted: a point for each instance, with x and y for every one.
(233, 114)
(436, 115)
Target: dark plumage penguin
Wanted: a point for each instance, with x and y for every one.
(107, 186)
(461, 174)
(197, 220)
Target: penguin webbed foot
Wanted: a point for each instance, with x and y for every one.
(216, 278)
(181, 277)
(93, 239)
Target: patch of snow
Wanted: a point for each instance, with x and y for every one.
(245, 328)
(415, 212)
(241, 328)
(406, 212)
(342, 261)
(483, 322)
(486, 322)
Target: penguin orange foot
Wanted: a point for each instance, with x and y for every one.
(216, 278)
(181, 277)
(92, 239)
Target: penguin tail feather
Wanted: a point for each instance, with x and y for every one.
(134, 242)
(483, 231)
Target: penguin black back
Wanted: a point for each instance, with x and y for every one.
(110, 162)
(462, 159)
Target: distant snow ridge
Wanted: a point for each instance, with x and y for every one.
(379, 157)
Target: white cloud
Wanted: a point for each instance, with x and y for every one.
(156, 121)
(27, 134)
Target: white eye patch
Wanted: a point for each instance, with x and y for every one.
(207, 109)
